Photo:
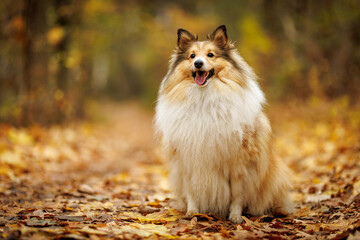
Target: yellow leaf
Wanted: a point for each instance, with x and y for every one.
(19, 137)
(130, 215)
(174, 212)
(2, 147)
(55, 35)
(122, 177)
(158, 218)
(13, 159)
(146, 230)
(68, 209)
(133, 205)
(5, 170)
(316, 181)
(154, 204)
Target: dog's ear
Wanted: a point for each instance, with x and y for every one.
(185, 39)
(219, 37)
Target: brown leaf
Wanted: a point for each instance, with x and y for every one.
(84, 188)
(203, 217)
(146, 210)
(154, 204)
(70, 218)
(180, 228)
(35, 222)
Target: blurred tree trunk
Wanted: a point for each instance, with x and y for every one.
(35, 57)
(63, 23)
(62, 8)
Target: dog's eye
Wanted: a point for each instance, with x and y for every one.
(192, 56)
(210, 55)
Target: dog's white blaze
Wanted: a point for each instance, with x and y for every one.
(203, 68)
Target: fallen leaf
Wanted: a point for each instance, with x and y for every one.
(158, 218)
(84, 188)
(154, 204)
(146, 230)
(70, 218)
(89, 230)
(35, 222)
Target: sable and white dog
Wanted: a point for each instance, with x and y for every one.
(212, 126)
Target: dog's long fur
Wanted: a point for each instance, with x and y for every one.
(215, 133)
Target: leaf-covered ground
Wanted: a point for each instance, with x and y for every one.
(106, 180)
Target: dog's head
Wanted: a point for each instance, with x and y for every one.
(204, 59)
(210, 65)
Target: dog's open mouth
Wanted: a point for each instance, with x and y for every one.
(201, 77)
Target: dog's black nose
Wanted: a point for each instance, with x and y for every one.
(198, 63)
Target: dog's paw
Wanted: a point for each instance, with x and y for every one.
(191, 213)
(284, 208)
(283, 211)
(236, 218)
(235, 213)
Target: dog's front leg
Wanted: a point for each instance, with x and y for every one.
(237, 201)
(192, 207)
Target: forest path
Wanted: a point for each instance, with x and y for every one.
(103, 180)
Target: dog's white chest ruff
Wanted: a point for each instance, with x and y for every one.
(205, 133)
(208, 123)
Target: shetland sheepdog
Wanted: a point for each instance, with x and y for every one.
(212, 127)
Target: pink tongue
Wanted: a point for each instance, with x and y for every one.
(200, 79)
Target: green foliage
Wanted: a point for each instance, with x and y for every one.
(254, 42)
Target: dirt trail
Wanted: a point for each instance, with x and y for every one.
(106, 180)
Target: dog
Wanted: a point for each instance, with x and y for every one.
(210, 119)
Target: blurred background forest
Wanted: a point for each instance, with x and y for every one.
(59, 57)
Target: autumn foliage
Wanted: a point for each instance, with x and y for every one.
(107, 180)
(76, 164)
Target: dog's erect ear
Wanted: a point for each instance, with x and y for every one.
(184, 39)
(219, 37)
